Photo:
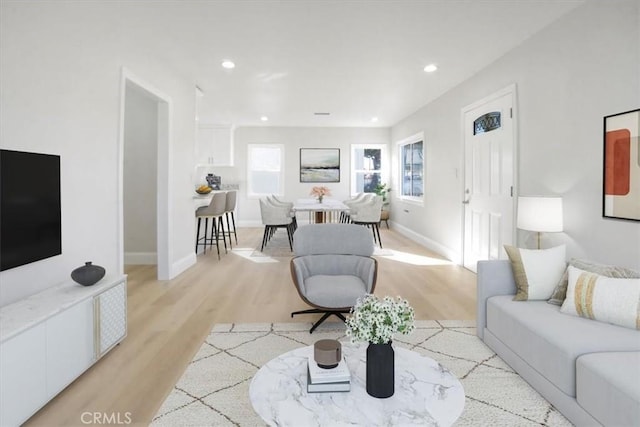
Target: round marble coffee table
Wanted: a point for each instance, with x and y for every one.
(426, 393)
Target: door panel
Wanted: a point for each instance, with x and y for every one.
(489, 141)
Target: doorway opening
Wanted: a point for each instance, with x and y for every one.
(144, 174)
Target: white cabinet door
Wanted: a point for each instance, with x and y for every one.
(215, 145)
(112, 316)
(22, 369)
(70, 346)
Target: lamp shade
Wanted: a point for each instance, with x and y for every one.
(540, 214)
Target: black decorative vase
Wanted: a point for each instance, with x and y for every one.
(380, 370)
(88, 274)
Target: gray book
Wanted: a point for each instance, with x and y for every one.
(340, 386)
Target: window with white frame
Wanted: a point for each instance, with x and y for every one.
(265, 171)
(411, 159)
(368, 167)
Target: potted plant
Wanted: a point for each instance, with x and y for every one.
(382, 190)
(375, 321)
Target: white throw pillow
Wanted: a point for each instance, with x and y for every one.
(606, 299)
(536, 272)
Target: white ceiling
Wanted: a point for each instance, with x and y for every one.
(353, 59)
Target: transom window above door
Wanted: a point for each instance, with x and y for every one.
(368, 167)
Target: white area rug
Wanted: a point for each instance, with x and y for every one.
(214, 389)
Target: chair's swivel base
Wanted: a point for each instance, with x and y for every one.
(325, 316)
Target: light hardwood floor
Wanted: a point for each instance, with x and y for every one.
(168, 320)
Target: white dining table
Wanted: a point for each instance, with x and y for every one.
(327, 211)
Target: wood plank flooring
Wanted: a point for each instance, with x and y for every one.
(168, 321)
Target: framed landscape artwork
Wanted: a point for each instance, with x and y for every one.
(621, 181)
(319, 165)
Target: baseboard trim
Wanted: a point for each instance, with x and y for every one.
(432, 245)
(182, 265)
(140, 258)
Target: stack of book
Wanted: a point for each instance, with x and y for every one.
(321, 380)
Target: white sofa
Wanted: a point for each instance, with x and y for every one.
(589, 370)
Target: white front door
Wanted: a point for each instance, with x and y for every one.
(489, 171)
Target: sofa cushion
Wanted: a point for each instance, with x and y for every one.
(549, 341)
(608, 386)
(560, 292)
(537, 272)
(601, 298)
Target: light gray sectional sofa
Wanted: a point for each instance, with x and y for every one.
(589, 370)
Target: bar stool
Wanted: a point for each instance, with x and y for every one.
(215, 211)
(230, 206)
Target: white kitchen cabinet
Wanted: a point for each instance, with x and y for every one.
(49, 339)
(214, 145)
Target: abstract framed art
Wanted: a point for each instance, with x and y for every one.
(621, 180)
(319, 165)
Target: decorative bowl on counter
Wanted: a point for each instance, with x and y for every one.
(203, 189)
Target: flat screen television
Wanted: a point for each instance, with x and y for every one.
(30, 214)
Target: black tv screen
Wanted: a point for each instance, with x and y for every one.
(30, 215)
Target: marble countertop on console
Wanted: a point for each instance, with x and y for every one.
(24, 314)
(426, 393)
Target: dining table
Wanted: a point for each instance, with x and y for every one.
(320, 212)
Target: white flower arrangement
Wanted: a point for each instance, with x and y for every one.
(376, 320)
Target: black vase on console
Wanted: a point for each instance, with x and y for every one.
(88, 274)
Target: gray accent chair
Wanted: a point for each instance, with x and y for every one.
(332, 267)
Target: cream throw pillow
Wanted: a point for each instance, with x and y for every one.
(606, 299)
(536, 272)
(560, 292)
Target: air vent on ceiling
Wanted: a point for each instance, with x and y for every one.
(321, 114)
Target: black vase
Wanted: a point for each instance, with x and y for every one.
(88, 274)
(380, 370)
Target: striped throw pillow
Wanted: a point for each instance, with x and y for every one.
(601, 298)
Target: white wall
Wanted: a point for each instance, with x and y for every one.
(61, 65)
(568, 77)
(140, 177)
(295, 138)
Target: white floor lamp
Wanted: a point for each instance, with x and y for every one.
(540, 214)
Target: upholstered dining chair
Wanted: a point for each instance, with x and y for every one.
(215, 210)
(275, 201)
(274, 217)
(368, 214)
(332, 267)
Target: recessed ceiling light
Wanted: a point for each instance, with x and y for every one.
(374, 119)
(430, 68)
(228, 64)
(264, 118)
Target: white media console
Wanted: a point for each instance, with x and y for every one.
(49, 339)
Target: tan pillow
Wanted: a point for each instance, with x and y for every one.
(560, 292)
(536, 272)
(615, 301)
